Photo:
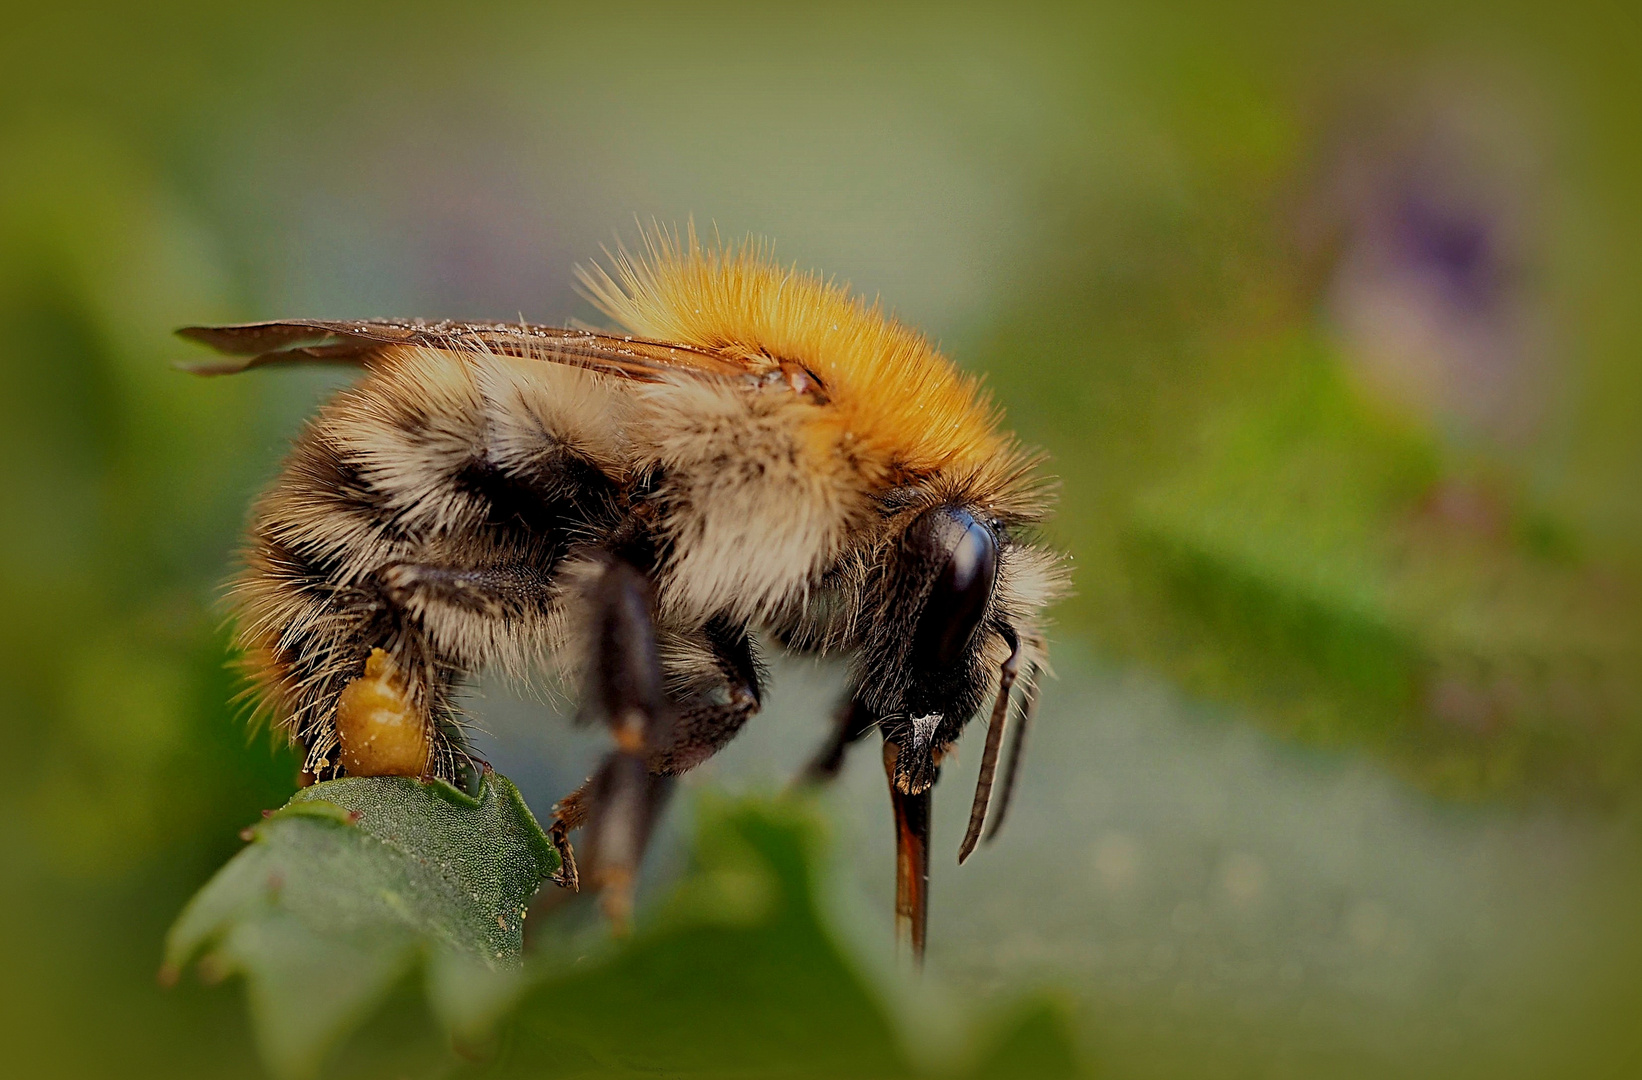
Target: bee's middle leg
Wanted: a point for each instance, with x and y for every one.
(722, 692)
(623, 799)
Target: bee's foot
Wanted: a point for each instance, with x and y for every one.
(566, 877)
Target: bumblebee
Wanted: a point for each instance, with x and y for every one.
(765, 453)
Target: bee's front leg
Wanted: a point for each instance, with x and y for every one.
(853, 722)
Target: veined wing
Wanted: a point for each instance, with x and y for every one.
(309, 341)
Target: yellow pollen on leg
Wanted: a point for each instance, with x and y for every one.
(381, 730)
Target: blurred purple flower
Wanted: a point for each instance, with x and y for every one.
(1432, 290)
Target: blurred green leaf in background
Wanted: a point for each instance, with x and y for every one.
(1325, 315)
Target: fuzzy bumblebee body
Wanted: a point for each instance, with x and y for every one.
(768, 453)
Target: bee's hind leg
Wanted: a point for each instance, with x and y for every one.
(392, 719)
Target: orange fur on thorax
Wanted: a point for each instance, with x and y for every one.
(902, 406)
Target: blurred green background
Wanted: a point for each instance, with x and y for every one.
(1327, 316)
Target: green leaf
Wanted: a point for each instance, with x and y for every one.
(738, 976)
(1036, 1043)
(354, 883)
(348, 887)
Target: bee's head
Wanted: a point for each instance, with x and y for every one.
(923, 670)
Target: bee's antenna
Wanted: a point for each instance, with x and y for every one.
(989, 757)
(1017, 744)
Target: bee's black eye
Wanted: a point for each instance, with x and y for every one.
(968, 555)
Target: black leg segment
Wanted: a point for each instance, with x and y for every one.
(624, 691)
(852, 723)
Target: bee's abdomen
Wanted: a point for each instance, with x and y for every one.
(421, 515)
